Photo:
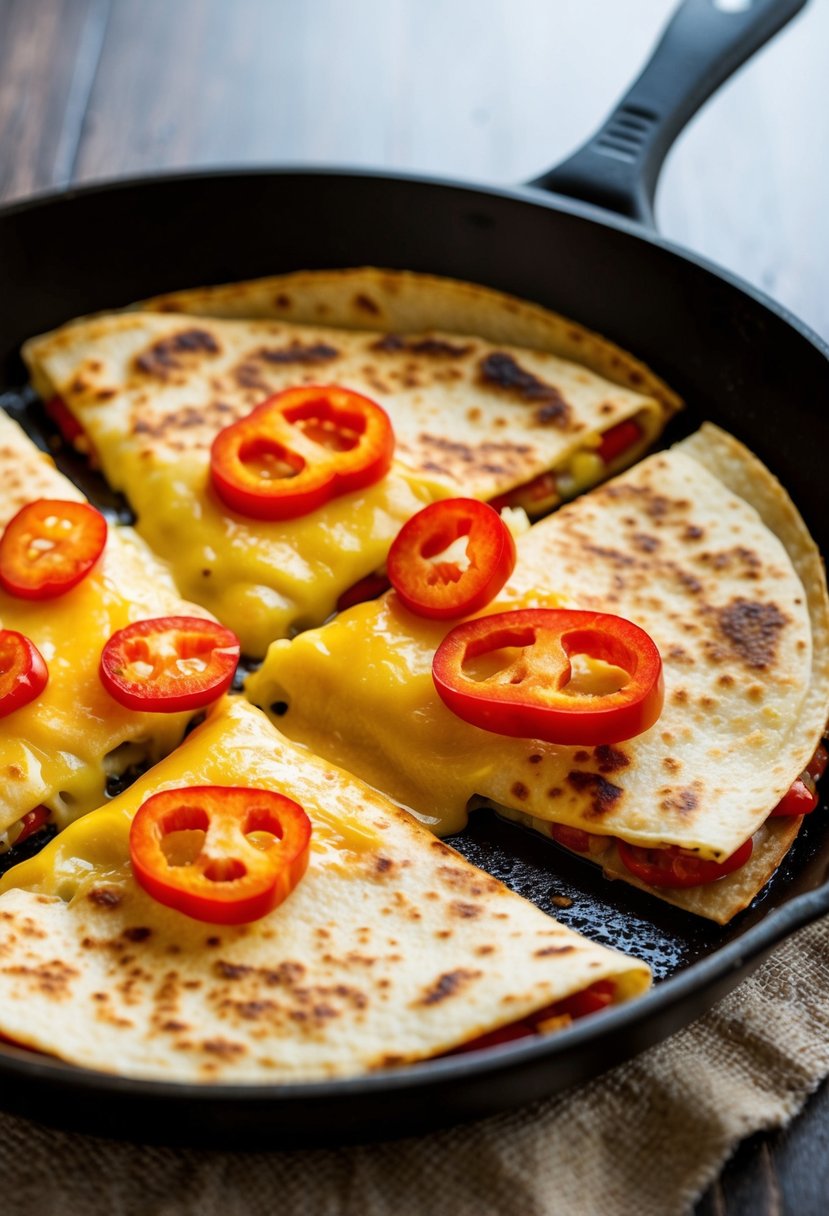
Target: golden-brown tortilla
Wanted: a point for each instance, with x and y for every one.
(391, 949)
(484, 394)
(733, 594)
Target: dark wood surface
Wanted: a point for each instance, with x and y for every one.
(484, 90)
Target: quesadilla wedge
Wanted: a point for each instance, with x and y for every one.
(529, 410)
(390, 949)
(700, 547)
(58, 751)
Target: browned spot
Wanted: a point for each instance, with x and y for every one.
(503, 372)
(169, 353)
(680, 696)
(482, 951)
(105, 897)
(467, 880)
(365, 303)
(382, 865)
(726, 680)
(554, 792)
(473, 414)
(448, 985)
(519, 791)
(693, 532)
(138, 934)
(52, 978)
(249, 375)
(580, 757)
(645, 543)
(546, 950)
(753, 630)
(535, 758)
(296, 352)
(603, 794)
(672, 765)
(223, 1048)
(682, 801)
(282, 300)
(610, 759)
(105, 394)
(431, 348)
(465, 911)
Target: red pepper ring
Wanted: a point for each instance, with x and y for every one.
(49, 546)
(299, 449)
(169, 664)
(528, 697)
(222, 854)
(676, 868)
(23, 671)
(449, 588)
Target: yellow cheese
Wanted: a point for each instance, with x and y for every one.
(53, 751)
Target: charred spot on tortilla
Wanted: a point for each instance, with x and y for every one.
(753, 629)
(610, 759)
(603, 794)
(173, 352)
(430, 347)
(448, 985)
(683, 801)
(307, 354)
(503, 372)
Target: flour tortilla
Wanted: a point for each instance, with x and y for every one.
(479, 414)
(731, 588)
(58, 751)
(391, 949)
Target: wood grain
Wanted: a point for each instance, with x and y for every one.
(493, 90)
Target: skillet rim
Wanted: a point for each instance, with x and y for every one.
(723, 968)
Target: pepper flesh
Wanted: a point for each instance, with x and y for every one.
(442, 587)
(23, 671)
(235, 875)
(299, 449)
(169, 664)
(528, 697)
(49, 546)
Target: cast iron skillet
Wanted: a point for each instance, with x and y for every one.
(734, 355)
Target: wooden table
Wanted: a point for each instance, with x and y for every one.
(492, 90)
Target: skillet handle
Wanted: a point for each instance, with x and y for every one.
(703, 44)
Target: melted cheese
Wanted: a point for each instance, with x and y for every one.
(53, 751)
(265, 580)
(234, 746)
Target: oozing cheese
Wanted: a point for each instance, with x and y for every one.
(53, 751)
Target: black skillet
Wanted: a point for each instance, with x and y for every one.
(734, 355)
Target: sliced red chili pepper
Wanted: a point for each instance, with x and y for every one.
(817, 765)
(528, 697)
(674, 867)
(800, 799)
(299, 449)
(364, 589)
(31, 822)
(618, 439)
(49, 547)
(437, 584)
(63, 418)
(169, 664)
(23, 671)
(580, 1004)
(223, 854)
(570, 838)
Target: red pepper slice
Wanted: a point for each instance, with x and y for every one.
(299, 449)
(169, 664)
(443, 589)
(618, 439)
(674, 867)
(800, 799)
(31, 822)
(222, 854)
(528, 697)
(364, 589)
(570, 838)
(49, 547)
(23, 672)
(589, 1000)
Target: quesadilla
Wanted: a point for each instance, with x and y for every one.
(528, 411)
(59, 751)
(390, 949)
(700, 547)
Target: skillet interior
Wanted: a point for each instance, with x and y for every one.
(733, 356)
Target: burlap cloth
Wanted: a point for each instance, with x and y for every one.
(645, 1139)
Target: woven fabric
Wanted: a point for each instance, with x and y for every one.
(644, 1139)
